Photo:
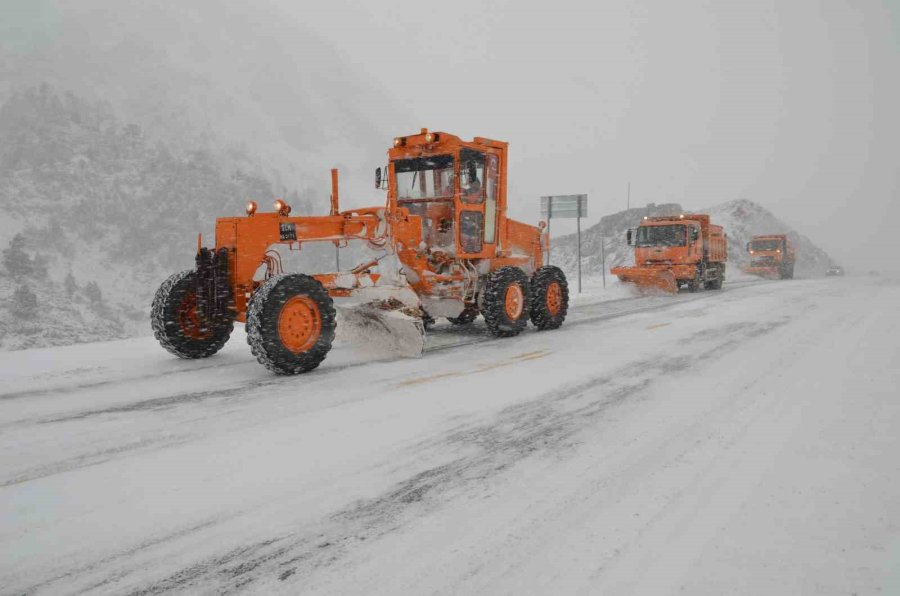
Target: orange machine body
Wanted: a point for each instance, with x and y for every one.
(771, 256)
(676, 250)
(445, 219)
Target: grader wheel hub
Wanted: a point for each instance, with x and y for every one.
(554, 298)
(189, 318)
(299, 324)
(514, 302)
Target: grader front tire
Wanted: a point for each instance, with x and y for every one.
(290, 324)
(177, 323)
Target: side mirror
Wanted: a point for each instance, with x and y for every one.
(748, 247)
(377, 177)
(629, 237)
(695, 233)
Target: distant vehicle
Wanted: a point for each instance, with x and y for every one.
(835, 270)
(771, 256)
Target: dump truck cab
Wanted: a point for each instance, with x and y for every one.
(771, 256)
(666, 241)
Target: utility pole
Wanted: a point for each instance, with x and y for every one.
(578, 219)
(603, 261)
(629, 194)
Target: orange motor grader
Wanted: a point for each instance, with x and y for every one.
(442, 246)
(676, 251)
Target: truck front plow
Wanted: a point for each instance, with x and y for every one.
(648, 279)
(765, 272)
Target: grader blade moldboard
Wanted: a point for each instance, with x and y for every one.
(386, 327)
(648, 279)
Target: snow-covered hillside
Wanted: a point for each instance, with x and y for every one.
(741, 218)
(128, 127)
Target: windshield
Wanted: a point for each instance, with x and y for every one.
(424, 177)
(661, 235)
(773, 244)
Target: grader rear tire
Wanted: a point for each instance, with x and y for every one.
(506, 302)
(550, 297)
(177, 324)
(290, 324)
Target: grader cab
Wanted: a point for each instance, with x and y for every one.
(441, 246)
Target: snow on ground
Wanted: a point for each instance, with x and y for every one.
(741, 441)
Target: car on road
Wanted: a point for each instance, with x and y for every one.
(834, 270)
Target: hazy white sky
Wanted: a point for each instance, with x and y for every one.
(790, 104)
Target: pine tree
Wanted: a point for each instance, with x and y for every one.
(24, 303)
(70, 284)
(15, 260)
(92, 291)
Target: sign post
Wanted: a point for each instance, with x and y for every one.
(566, 206)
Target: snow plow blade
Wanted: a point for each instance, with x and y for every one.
(386, 327)
(648, 279)
(763, 272)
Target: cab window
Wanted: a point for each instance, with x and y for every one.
(470, 230)
(471, 176)
(492, 178)
(424, 178)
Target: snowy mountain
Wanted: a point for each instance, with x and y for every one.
(742, 219)
(223, 73)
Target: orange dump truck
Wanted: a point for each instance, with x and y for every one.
(676, 251)
(771, 256)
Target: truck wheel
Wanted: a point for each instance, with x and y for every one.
(506, 302)
(716, 284)
(177, 323)
(469, 314)
(549, 297)
(290, 324)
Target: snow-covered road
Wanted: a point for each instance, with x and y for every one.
(742, 441)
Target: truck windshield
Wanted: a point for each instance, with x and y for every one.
(772, 244)
(424, 178)
(674, 235)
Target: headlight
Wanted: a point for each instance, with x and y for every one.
(282, 208)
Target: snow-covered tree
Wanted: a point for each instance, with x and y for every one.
(92, 291)
(70, 284)
(24, 303)
(15, 260)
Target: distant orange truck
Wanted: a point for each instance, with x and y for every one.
(676, 251)
(771, 256)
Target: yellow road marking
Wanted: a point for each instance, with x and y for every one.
(657, 326)
(483, 368)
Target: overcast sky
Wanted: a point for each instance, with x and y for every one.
(793, 104)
